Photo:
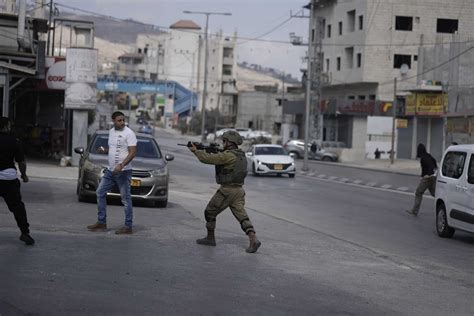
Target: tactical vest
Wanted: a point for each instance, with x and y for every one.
(235, 175)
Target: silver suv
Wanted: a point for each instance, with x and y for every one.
(296, 147)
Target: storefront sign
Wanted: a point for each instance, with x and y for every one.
(426, 104)
(56, 74)
(402, 123)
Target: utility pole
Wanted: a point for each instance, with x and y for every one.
(309, 81)
(158, 50)
(394, 119)
(50, 19)
(206, 57)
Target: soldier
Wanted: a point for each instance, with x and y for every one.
(231, 170)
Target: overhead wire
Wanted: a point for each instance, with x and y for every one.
(158, 27)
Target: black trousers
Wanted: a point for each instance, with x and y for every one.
(10, 191)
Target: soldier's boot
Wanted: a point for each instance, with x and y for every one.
(209, 240)
(254, 243)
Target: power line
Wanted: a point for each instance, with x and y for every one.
(249, 39)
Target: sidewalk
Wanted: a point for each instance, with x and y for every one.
(400, 166)
(50, 170)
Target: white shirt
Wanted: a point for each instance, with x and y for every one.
(119, 141)
(8, 174)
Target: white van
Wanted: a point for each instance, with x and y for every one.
(454, 198)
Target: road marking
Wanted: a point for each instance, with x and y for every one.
(386, 186)
(404, 189)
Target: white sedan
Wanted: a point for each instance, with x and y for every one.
(270, 159)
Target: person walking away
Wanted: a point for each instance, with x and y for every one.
(231, 170)
(428, 177)
(313, 149)
(122, 149)
(11, 151)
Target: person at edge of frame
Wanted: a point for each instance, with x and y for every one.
(11, 151)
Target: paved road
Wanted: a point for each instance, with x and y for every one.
(328, 248)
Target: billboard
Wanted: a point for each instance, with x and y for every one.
(81, 78)
(426, 104)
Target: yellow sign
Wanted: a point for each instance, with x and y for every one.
(427, 104)
(402, 123)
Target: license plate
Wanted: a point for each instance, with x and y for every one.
(135, 183)
(278, 167)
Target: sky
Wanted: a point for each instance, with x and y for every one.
(250, 19)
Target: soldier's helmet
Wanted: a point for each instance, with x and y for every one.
(233, 137)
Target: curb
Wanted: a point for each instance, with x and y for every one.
(313, 174)
(341, 164)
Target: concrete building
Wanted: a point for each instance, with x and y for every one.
(440, 110)
(178, 55)
(262, 109)
(365, 44)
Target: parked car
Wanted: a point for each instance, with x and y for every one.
(262, 135)
(244, 132)
(150, 175)
(142, 121)
(145, 129)
(454, 197)
(221, 132)
(270, 159)
(296, 147)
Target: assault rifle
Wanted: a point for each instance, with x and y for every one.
(213, 148)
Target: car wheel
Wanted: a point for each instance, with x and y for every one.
(82, 198)
(326, 159)
(291, 175)
(442, 226)
(254, 171)
(161, 204)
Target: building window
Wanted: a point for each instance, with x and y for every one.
(351, 20)
(328, 64)
(372, 97)
(415, 57)
(349, 52)
(323, 27)
(329, 30)
(312, 35)
(399, 60)
(447, 26)
(404, 23)
(361, 97)
(351, 97)
(359, 60)
(361, 22)
(338, 63)
(340, 28)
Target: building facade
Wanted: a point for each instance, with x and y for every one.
(178, 55)
(363, 45)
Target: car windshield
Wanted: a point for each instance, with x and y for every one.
(146, 147)
(270, 151)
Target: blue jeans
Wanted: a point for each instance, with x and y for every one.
(122, 180)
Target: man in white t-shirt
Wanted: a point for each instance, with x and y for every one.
(122, 149)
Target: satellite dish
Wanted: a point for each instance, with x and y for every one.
(404, 69)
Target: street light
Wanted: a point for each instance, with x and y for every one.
(204, 91)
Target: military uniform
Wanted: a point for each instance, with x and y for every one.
(231, 169)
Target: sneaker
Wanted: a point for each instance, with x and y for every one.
(124, 231)
(411, 212)
(26, 238)
(97, 227)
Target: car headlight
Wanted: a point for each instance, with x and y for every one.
(259, 162)
(89, 166)
(159, 172)
(293, 163)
